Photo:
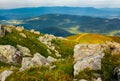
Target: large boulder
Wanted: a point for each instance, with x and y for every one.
(36, 61)
(5, 74)
(10, 54)
(88, 56)
(2, 30)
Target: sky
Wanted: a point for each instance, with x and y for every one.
(8, 4)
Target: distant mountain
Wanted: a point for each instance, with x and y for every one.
(36, 11)
(3, 18)
(65, 25)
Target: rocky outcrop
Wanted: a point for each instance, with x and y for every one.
(36, 61)
(24, 50)
(46, 39)
(5, 74)
(2, 30)
(88, 56)
(10, 54)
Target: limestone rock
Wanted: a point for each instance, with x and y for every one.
(114, 47)
(88, 56)
(82, 80)
(8, 29)
(98, 79)
(46, 39)
(10, 54)
(23, 35)
(36, 61)
(5, 74)
(24, 50)
(51, 59)
(116, 74)
(52, 67)
(20, 28)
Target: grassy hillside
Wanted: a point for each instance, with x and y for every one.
(64, 68)
(90, 38)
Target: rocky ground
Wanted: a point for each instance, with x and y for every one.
(31, 56)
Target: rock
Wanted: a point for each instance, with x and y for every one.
(5, 74)
(10, 54)
(8, 29)
(114, 47)
(88, 56)
(82, 80)
(98, 79)
(2, 31)
(116, 74)
(57, 53)
(52, 67)
(49, 51)
(32, 30)
(20, 28)
(36, 32)
(23, 35)
(46, 39)
(51, 59)
(36, 61)
(24, 50)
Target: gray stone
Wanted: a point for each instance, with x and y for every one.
(24, 50)
(10, 54)
(82, 80)
(51, 59)
(5, 74)
(88, 56)
(23, 35)
(52, 67)
(36, 61)
(20, 28)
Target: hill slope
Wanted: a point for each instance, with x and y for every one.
(48, 45)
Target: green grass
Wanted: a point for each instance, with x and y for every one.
(109, 62)
(30, 42)
(62, 72)
(90, 38)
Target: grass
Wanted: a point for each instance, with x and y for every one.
(90, 38)
(30, 42)
(109, 62)
(62, 72)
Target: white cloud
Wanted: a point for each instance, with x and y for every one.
(32, 3)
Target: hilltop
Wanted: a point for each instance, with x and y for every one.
(29, 55)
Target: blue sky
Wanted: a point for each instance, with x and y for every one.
(75, 3)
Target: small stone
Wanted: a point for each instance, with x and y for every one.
(5, 74)
(51, 59)
(23, 35)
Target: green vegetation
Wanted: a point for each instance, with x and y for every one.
(65, 47)
(86, 74)
(30, 42)
(90, 38)
(109, 62)
(64, 67)
(62, 72)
